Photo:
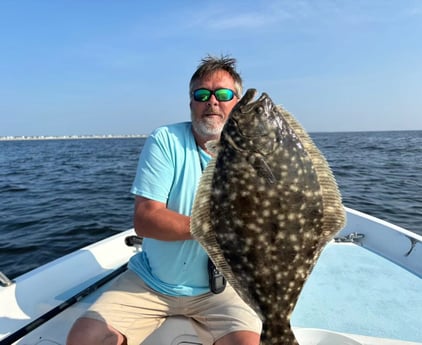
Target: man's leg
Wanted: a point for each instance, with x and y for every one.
(126, 313)
(239, 338)
(224, 319)
(86, 331)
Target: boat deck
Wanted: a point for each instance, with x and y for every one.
(364, 290)
(355, 291)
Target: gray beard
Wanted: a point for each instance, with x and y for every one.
(206, 130)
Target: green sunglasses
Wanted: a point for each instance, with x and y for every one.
(222, 95)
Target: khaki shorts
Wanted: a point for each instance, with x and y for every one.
(136, 310)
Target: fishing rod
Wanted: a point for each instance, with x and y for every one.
(10, 339)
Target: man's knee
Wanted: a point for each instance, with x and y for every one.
(92, 332)
(239, 338)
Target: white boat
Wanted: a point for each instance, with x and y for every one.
(365, 289)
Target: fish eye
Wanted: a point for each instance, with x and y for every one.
(260, 109)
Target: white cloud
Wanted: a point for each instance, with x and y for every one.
(256, 16)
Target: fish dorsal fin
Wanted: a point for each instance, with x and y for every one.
(331, 197)
(201, 229)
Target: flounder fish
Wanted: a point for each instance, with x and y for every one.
(265, 207)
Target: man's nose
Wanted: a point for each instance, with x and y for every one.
(213, 100)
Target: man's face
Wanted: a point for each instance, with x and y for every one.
(209, 117)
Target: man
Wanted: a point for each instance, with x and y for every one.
(170, 276)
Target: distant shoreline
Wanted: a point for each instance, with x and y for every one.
(71, 137)
(129, 136)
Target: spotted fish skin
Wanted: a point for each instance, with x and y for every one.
(266, 206)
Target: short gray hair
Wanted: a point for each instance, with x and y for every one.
(211, 64)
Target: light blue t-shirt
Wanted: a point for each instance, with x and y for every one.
(169, 170)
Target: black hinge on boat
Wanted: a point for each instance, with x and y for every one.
(133, 241)
(353, 237)
(4, 281)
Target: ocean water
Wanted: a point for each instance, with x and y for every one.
(60, 195)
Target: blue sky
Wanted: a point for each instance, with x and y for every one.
(123, 67)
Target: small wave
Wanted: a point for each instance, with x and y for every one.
(57, 196)
(9, 188)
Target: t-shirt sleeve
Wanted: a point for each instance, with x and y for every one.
(154, 174)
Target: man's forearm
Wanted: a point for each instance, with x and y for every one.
(152, 219)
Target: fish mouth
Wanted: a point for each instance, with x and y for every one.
(247, 98)
(247, 101)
